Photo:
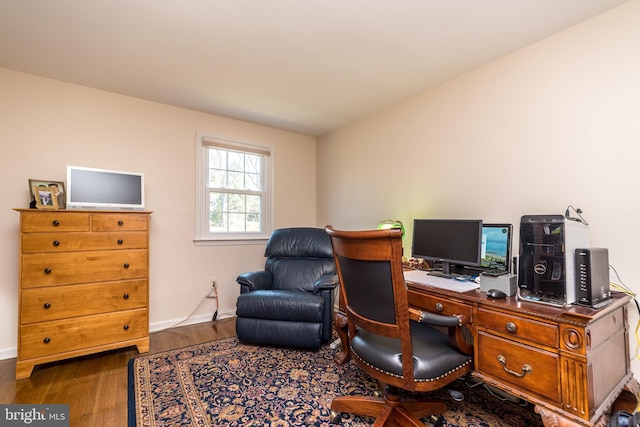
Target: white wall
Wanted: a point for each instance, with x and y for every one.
(47, 124)
(554, 124)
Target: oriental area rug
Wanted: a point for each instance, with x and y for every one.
(227, 383)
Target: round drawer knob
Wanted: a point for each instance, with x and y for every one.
(126, 265)
(47, 340)
(439, 307)
(125, 296)
(120, 241)
(120, 223)
(511, 327)
(126, 327)
(55, 223)
(56, 243)
(47, 305)
(47, 271)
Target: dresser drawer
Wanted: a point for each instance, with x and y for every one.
(59, 336)
(439, 305)
(506, 361)
(527, 329)
(60, 242)
(36, 222)
(59, 302)
(64, 268)
(119, 221)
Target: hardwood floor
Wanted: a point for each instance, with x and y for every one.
(95, 386)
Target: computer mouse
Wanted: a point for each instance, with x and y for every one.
(495, 293)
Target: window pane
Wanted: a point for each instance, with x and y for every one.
(253, 182)
(253, 222)
(236, 161)
(254, 204)
(218, 212)
(253, 164)
(217, 178)
(217, 158)
(236, 181)
(237, 222)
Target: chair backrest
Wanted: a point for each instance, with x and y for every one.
(297, 257)
(372, 288)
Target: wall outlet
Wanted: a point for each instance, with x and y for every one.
(213, 293)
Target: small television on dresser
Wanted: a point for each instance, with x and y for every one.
(91, 188)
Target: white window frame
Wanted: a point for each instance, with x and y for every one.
(202, 234)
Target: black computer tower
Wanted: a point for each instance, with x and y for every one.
(592, 277)
(546, 265)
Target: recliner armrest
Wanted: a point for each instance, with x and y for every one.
(254, 280)
(326, 282)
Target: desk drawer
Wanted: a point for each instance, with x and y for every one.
(439, 305)
(543, 380)
(530, 330)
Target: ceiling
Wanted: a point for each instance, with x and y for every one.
(304, 66)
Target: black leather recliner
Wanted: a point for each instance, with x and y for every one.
(290, 303)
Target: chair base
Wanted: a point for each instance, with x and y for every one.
(389, 410)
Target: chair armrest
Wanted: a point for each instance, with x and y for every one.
(326, 282)
(452, 323)
(254, 280)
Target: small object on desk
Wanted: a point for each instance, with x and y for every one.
(495, 293)
(462, 278)
(494, 273)
(475, 279)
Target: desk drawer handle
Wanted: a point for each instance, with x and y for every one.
(439, 307)
(511, 327)
(526, 369)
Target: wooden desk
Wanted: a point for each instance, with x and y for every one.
(571, 363)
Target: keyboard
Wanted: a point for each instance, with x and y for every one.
(494, 273)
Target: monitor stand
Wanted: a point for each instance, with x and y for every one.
(445, 273)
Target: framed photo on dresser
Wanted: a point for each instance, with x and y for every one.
(46, 194)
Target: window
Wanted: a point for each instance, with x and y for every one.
(233, 190)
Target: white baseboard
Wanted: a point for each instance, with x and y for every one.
(12, 352)
(8, 353)
(167, 324)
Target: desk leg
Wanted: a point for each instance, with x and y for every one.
(627, 401)
(340, 323)
(554, 419)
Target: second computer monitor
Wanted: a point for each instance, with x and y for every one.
(496, 246)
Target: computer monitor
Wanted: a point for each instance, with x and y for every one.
(496, 246)
(449, 241)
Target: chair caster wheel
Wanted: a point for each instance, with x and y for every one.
(439, 421)
(335, 417)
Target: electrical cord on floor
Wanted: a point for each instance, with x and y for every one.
(625, 289)
(215, 314)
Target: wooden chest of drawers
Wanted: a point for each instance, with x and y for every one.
(84, 284)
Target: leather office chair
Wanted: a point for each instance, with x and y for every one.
(290, 303)
(396, 345)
